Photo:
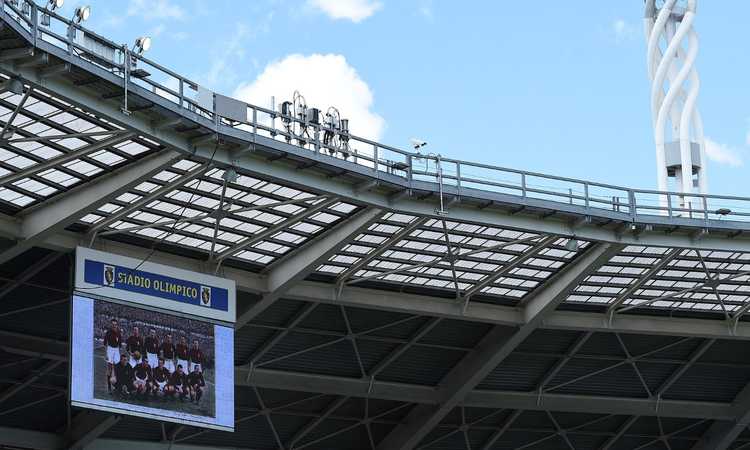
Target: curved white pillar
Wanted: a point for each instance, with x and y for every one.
(678, 129)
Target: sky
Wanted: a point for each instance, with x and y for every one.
(552, 87)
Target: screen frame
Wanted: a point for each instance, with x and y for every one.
(130, 412)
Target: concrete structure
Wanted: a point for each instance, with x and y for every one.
(576, 315)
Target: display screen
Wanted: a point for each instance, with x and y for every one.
(147, 362)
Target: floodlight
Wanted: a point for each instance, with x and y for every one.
(571, 245)
(7, 134)
(82, 14)
(142, 44)
(55, 4)
(417, 143)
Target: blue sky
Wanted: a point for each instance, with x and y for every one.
(557, 87)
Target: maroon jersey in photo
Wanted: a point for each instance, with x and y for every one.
(142, 371)
(112, 338)
(123, 374)
(182, 351)
(134, 344)
(177, 379)
(161, 374)
(167, 349)
(152, 345)
(196, 379)
(196, 355)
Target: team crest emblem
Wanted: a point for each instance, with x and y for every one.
(205, 296)
(109, 275)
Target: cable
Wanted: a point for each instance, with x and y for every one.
(166, 233)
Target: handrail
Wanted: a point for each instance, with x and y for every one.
(413, 167)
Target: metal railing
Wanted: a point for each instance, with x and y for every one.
(455, 175)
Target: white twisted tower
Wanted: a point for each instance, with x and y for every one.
(678, 129)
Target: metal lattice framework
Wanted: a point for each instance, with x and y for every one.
(539, 312)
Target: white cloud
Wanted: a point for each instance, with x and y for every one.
(324, 80)
(354, 10)
(624, 31)
(723, 154)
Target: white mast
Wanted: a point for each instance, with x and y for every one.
(678, 129)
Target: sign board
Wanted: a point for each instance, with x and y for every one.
(153, 341)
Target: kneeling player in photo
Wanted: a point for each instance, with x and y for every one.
(196, 383)
(141, 377)
(122, 376)
(178, 384)
(159, 380)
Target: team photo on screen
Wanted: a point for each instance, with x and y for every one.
(153, 359)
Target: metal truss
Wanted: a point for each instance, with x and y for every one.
(343, 236)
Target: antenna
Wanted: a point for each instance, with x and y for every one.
(299, 120)
(678, 128)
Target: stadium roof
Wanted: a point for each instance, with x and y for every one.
(528, 311)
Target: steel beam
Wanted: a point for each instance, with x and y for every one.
(382, 248)
(22, 438)
(301, 263)
(57, 214)
(146, 199)
(271, 230)
(412, 303)
(722, 433)
(257, 166)
(88, 426)
(29, 273)
(494, 348)
(426, 395)
(362, 387)
(29, 380)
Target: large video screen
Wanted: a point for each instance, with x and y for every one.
(151, 363)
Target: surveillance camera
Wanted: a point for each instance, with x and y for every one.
(417, 143)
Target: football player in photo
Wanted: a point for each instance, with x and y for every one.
(151, 344)
(178, 384)
(133, 345)
(112, 342)
(183, 351)
(168, 353)
(196, 383)
(196, 357)
(159, 379)
(122, 376)
(141, 377)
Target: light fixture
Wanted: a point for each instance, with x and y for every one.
(230, 175)
(142, 44)
(7, 134)
(82, 14)
(571, 245)
(55, 4)
(417, 143)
